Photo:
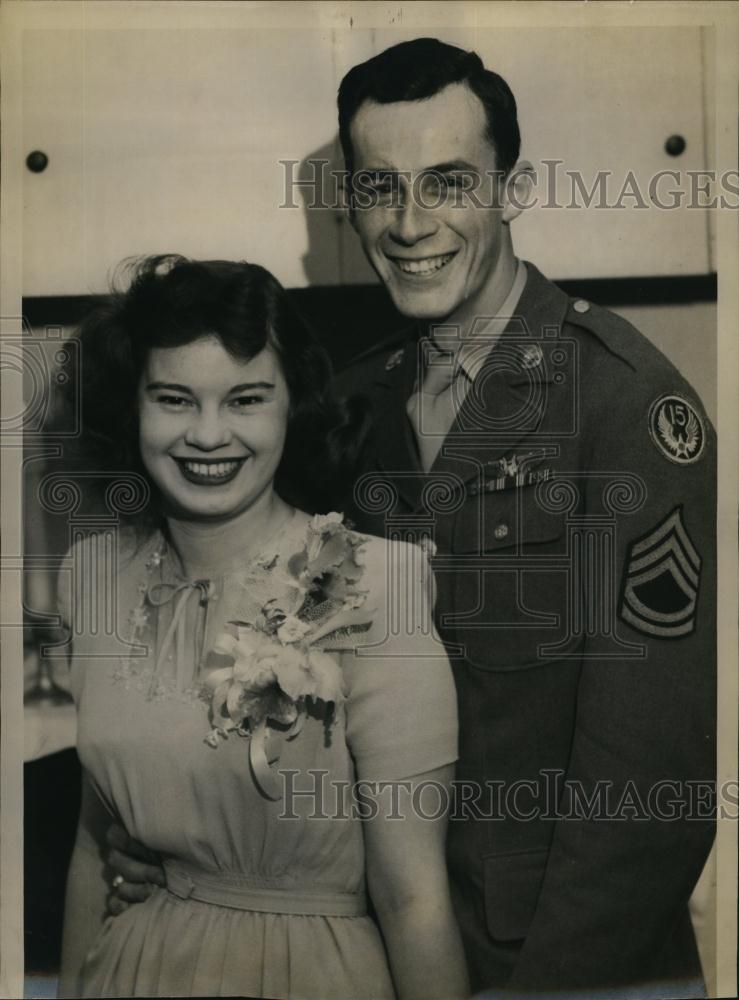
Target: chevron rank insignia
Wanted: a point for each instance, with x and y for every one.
(677, 429)
(659, 593)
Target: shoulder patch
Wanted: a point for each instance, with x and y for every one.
(659, 592)
(677, 429)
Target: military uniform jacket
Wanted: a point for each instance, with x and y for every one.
(572, 512)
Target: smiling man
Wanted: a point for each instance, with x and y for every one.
(437, 253)
(565, 470)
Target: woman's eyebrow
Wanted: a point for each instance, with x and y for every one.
(245, 386)
(174, 386)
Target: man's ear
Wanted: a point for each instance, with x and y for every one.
(518, 189)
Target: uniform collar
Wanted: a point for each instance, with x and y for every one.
(510, 401)
(532, 313)
(541, 310)
(534, 310)
(475, 348)
(510, 369)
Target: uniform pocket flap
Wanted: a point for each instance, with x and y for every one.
(509, 519)
(512, 886)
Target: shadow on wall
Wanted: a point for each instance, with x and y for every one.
(344, 302)
(334, 254)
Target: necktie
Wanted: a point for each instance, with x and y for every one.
(433, 408)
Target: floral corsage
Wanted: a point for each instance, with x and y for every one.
(279, 667)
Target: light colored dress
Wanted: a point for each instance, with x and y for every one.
(264, 898)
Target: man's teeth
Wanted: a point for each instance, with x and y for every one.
(426, 266)
(217, 471)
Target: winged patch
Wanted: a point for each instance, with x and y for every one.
(677, 429)
(659, 592)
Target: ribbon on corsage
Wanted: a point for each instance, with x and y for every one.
(278, 666)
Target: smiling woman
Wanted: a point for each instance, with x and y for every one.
(242, 616)
(198, 364)
(212, 427)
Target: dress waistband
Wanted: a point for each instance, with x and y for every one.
(228, 889)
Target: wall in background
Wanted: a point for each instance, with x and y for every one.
(686, 333)
(171, 140)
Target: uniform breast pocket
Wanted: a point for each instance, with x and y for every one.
(508, 581)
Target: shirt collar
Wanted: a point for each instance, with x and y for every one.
(475, 349)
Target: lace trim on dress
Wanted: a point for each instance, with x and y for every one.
(157, 660)
(166, 659)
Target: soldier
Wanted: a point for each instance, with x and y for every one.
(565, 472)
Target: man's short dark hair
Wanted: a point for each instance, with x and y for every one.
(412, 71)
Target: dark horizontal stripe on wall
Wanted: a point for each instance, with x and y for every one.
(349, 318)
(643, 291)
(58, 310)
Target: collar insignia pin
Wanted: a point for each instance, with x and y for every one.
(394, 360)
(531, 356)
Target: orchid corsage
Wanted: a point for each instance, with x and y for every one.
(279, 666)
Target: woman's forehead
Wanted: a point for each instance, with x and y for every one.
(206, 363)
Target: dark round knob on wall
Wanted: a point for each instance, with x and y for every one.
(37, 161)
(675, 145)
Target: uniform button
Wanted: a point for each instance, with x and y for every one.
(501, 532)
(581, 306)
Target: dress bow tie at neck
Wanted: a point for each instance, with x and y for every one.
(161, 594)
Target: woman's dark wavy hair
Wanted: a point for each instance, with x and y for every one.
(415, 70)
(172, 301)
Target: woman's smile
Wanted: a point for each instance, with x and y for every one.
(210, 471)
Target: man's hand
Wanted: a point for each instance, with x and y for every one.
(134, 869)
